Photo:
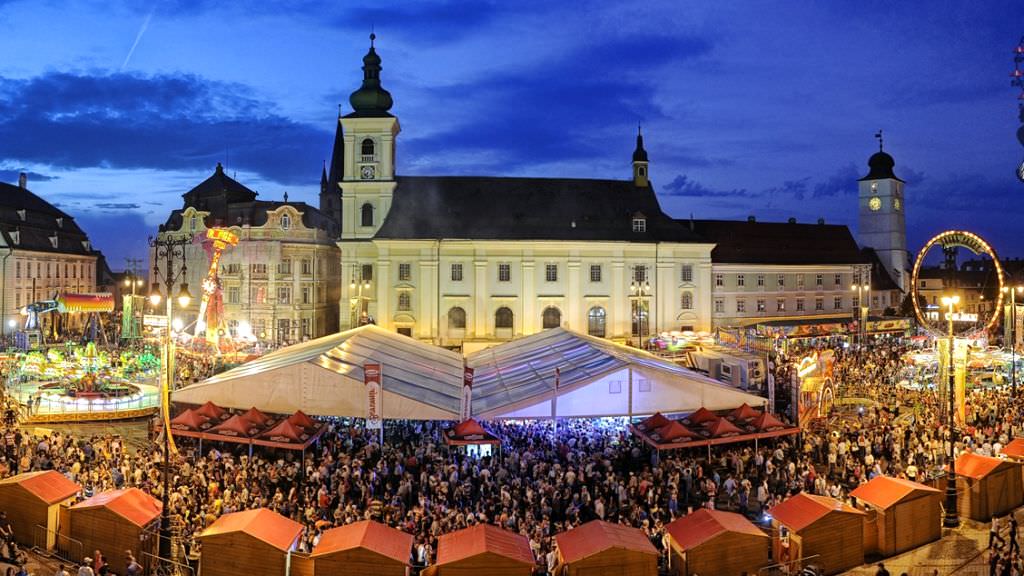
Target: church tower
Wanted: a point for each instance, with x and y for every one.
(640, 176)
(882, 224)
(364, 167)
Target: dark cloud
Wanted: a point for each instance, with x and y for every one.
(682, 185)
(164, 122)
(422, 21)
(797, 189)
(12, 175)
(842, 183)
(118, 206)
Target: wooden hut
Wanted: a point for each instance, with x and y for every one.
(988, 486)
(482, 549)
(901, 514)
(1014, 450)
(115, 521)
(363, 548)
(825, 530)
(716, 542)
(600, 548)
(33, 499)
(248, 542)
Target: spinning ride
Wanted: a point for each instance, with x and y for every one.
(211, 320)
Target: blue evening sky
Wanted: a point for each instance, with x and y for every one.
(764, 108)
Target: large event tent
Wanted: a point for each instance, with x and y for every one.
(516, 379)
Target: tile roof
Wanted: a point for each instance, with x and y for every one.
(977, 466)
(800, 511)
(373, 536)
(32, 221)
(263, 524)
(697, 528)
(884, 491)
(131, 504)
(597, 536)
(49, 486)
(1015, 449)
(746, 242)
(483, 539)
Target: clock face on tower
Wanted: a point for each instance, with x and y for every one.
(875, 204)
(367, 172)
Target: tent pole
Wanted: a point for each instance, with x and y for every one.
(630, 400)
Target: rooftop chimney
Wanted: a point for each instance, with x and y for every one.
(792, 220)
(22, 180)
(821, 221)
(751, 219)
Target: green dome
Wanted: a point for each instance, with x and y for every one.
(371, 99)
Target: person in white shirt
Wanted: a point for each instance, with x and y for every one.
(61, 571)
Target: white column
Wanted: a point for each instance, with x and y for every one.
(426, 287)
(383, 281)
(574, 297)
(703, 305)
(668, 297)
(480, 315)
(619, 322)
(528, 322)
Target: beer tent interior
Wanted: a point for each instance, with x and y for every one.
(249, 542)
(117, 520)
(821, 527)
(988, 486)
(33, 499)
(600, 548)
(482, 549)
(714, 541)
(365, 548)
(901, 514)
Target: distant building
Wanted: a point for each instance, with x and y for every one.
(882, 223)
(281, 281)
(43, 252)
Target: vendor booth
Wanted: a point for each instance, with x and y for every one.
(824, 528)
(249, 542)
(716, 542)
(482, 549)
(600, 548)
(901, 514)
(118, 520)
(364, 548)
(33, 501)
(989, 486)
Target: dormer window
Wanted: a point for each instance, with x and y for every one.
(16, 236)
(639, 224)
(286, 222)
(60, 222)
(367, 150)
(54, 240)
(21, 215)
(87, 245)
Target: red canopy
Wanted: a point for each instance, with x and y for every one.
(211, 410)
(285, 432)
(699, 417)
(189, 420)
(767, 423)
(672, 432)
(722, 428)
(744, 412)
(300, 419)
(235, 426)
(653, 422)
(468, 432)
(256, 417)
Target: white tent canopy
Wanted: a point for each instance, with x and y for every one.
(324, 377)
(596, 377)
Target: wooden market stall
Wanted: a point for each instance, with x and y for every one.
(600, 548)
(249, 542)
(716, 542)
(989, 486)
(901, 514)
(482, 549)
(32, 501)
(825, 530)
(364, 548)
(115, 521)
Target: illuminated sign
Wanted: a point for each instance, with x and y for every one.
(957, 317)
(807, 365)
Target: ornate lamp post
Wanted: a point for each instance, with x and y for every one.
(640, 293)
(861, 308)
(952, 518)
(357, 286)
(169, 249)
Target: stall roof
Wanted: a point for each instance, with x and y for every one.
(1015, 449)
(49, 486)
(521, 371)
(885, 491)
(483, 539)
(131, 504)
(373, 536)
(801, 510)
(697, 528)
(262, 523)
(977, 466)
(597, 536)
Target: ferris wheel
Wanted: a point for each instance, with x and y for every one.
(929, 315)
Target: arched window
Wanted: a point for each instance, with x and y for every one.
(192, 224)
(366, 148)
(286, 222)
(552, 317)
(457, 318)
(596, 321)
(503, 318)
(686, 302)
(366, 213)
(404, 301)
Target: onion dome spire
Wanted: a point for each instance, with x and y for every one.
(371, 100)
(639, 155)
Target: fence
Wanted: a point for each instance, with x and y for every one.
(64, 547)
(801, 566)
(153, 564)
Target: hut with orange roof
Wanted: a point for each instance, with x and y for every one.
(600, 548)
(249, 542)
(807, 525)
(116, 521)
(716, 542)
(364, 548)
(32, 501)
(988, 486)
(901, 514)
(482, 549)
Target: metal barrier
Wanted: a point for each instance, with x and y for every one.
(166, 566)
(800, 566)
(64, 547)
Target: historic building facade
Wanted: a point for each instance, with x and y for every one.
(280, 282)
(43, 252)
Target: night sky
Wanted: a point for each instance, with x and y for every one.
(758, 108)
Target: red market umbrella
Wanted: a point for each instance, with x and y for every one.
(236, 426)
(285, 432)
(256, 417)
(653, 422)
(300, 419)
(212, 411)
(700, 417)
(189, 420)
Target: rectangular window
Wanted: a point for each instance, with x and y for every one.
(780, 305)
(307, 266)
(838, 278)
(404, 301)
(643, 385)
(234, 268)
(284, 266)
(639, 225)
(799, 281)
(741, 305)
(259, 269)
(781, 281)
(837, 303)
(640, 274)
(233, 295)
(504, 272)
(551, 272)
(799, 304)
(874, 301)
(760, 280)
(457, 272)
(284, 329)
(305, 328)
(615, 387)
(305, 294)
(819, 279)
(284, 295)
(855, 302)
(819, 304)
(719, 280)
(741, 280)
(17, 270)
(595, 272)
(719, 305)
(404, 272)
(367, 271)
(259, 295)
(687, 274)
(761, 305)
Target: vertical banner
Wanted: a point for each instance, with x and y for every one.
(960, 379)
(467, 394)
(554, 400)
(372, 379)
(771, 390)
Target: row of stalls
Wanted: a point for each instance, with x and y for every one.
(210, 422)
(704, 427)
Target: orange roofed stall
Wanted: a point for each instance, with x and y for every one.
(716, 542)
(482, 549)
(989, 486)
(115, 521)
(600, 548)
(249, 542)
(364, 548)
(807, 525)
(901, 514)
(32, 501)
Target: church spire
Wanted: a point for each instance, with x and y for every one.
(323, 179)
(371, 100)
(640, 161)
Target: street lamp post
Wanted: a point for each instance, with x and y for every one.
(861, 315)
(1013, 336)
(357, 285)
(952, 518)
(640, 291)
(169, 249)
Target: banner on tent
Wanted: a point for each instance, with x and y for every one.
(372, 379)
(467, 394)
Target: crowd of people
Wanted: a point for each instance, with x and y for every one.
(543, 481)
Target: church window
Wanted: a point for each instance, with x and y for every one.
(687, 274)
(595, 272)
(286, 222)
(366, 214)
(639, 224)
(686, 302)
(596, 321)
(404, 301)
(404, 272)
(367, 150)
(457, 318)
(504, 272)
(551, 272)
(503, 318)
(552, 318)
(456, 272)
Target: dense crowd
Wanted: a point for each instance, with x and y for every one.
(542, 482)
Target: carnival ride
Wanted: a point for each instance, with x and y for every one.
(211, 322)
(91, 304)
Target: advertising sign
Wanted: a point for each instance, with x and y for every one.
(467, 394)
(374, 396)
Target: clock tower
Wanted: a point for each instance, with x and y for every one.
(368, 178)
(882, 224)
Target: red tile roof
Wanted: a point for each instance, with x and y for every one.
(131, 504)
(884, 491)
(800, 511)
(697, 528)
(373, 536)
(262, 524)
(597, 536)
(49, 486)
(977, 466)
(482, 539)
(1015, 449)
